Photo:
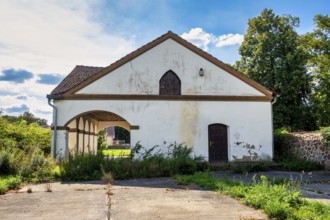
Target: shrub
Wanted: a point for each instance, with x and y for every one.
(279, 137)
(143, 162)
(250, 167)
(293, 163)
(7, 161)
(9, 182)
(36, 166)
(326, 136)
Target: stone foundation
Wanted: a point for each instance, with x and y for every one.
(309, 145)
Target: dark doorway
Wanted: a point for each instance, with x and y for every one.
(218, 143)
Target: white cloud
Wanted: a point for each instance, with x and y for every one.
(52, 37)
(199, 38)
(204, 40)
(229, 39)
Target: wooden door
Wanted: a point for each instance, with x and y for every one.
(218, 143)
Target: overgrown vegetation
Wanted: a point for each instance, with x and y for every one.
(325, 131)
(280, 201)
(291, 162)
(25, 153)
(8, 182)
(250, 167)
(154, 162)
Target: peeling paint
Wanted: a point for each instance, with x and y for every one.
(249, 152)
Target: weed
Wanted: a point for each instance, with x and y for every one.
(48, 187)
(29, 190)
(250, 167)
(154, 162)
(107, 177)
(294, 163)
(280, 201)
(8, 182)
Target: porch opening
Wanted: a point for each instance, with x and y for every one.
(83, 130)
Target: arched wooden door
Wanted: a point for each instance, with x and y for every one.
(218, 143)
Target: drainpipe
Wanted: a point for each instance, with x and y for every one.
(54, 124)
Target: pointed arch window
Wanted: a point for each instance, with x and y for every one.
(170, 84)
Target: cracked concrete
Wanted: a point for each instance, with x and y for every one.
(155, 198)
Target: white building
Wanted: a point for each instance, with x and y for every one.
(166, 91)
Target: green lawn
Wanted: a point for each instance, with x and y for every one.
(117, 152)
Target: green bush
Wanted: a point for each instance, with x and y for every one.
(37, 166)
(279, 137)
(293, 163)
(250, 167)
(153, 162)
(9, 182)
(326, 136)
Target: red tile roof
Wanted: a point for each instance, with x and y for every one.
(77, 76)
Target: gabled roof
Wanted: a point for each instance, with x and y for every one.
(82, 76)
(77, 76)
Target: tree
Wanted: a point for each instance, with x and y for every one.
(27, 116)
(271, 55)
(317, 44)
(30, 118)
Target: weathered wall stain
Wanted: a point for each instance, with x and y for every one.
(189, 122)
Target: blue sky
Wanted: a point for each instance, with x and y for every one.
(41, 41)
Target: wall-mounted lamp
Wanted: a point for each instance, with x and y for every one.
(201, 72)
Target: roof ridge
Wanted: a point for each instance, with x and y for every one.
(88, 76)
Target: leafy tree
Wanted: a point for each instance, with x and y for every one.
(30, 118)
(122, 134)
(317, 44)
(271, 55)
(27, 116)
(23, 136)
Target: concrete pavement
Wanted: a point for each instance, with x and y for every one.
(156, 198)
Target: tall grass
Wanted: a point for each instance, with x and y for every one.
(154, 162)
(30, 165)
(280, 201)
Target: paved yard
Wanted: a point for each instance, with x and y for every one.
(162, 199)
(66, 201)
(158, 198)
(135, 199)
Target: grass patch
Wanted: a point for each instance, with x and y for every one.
(276, 200)
(117, 152)
(8, 182)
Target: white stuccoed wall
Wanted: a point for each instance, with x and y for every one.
(179, 121)
(142, 75)
(182, 121)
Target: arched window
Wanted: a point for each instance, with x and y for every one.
(170, 84)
